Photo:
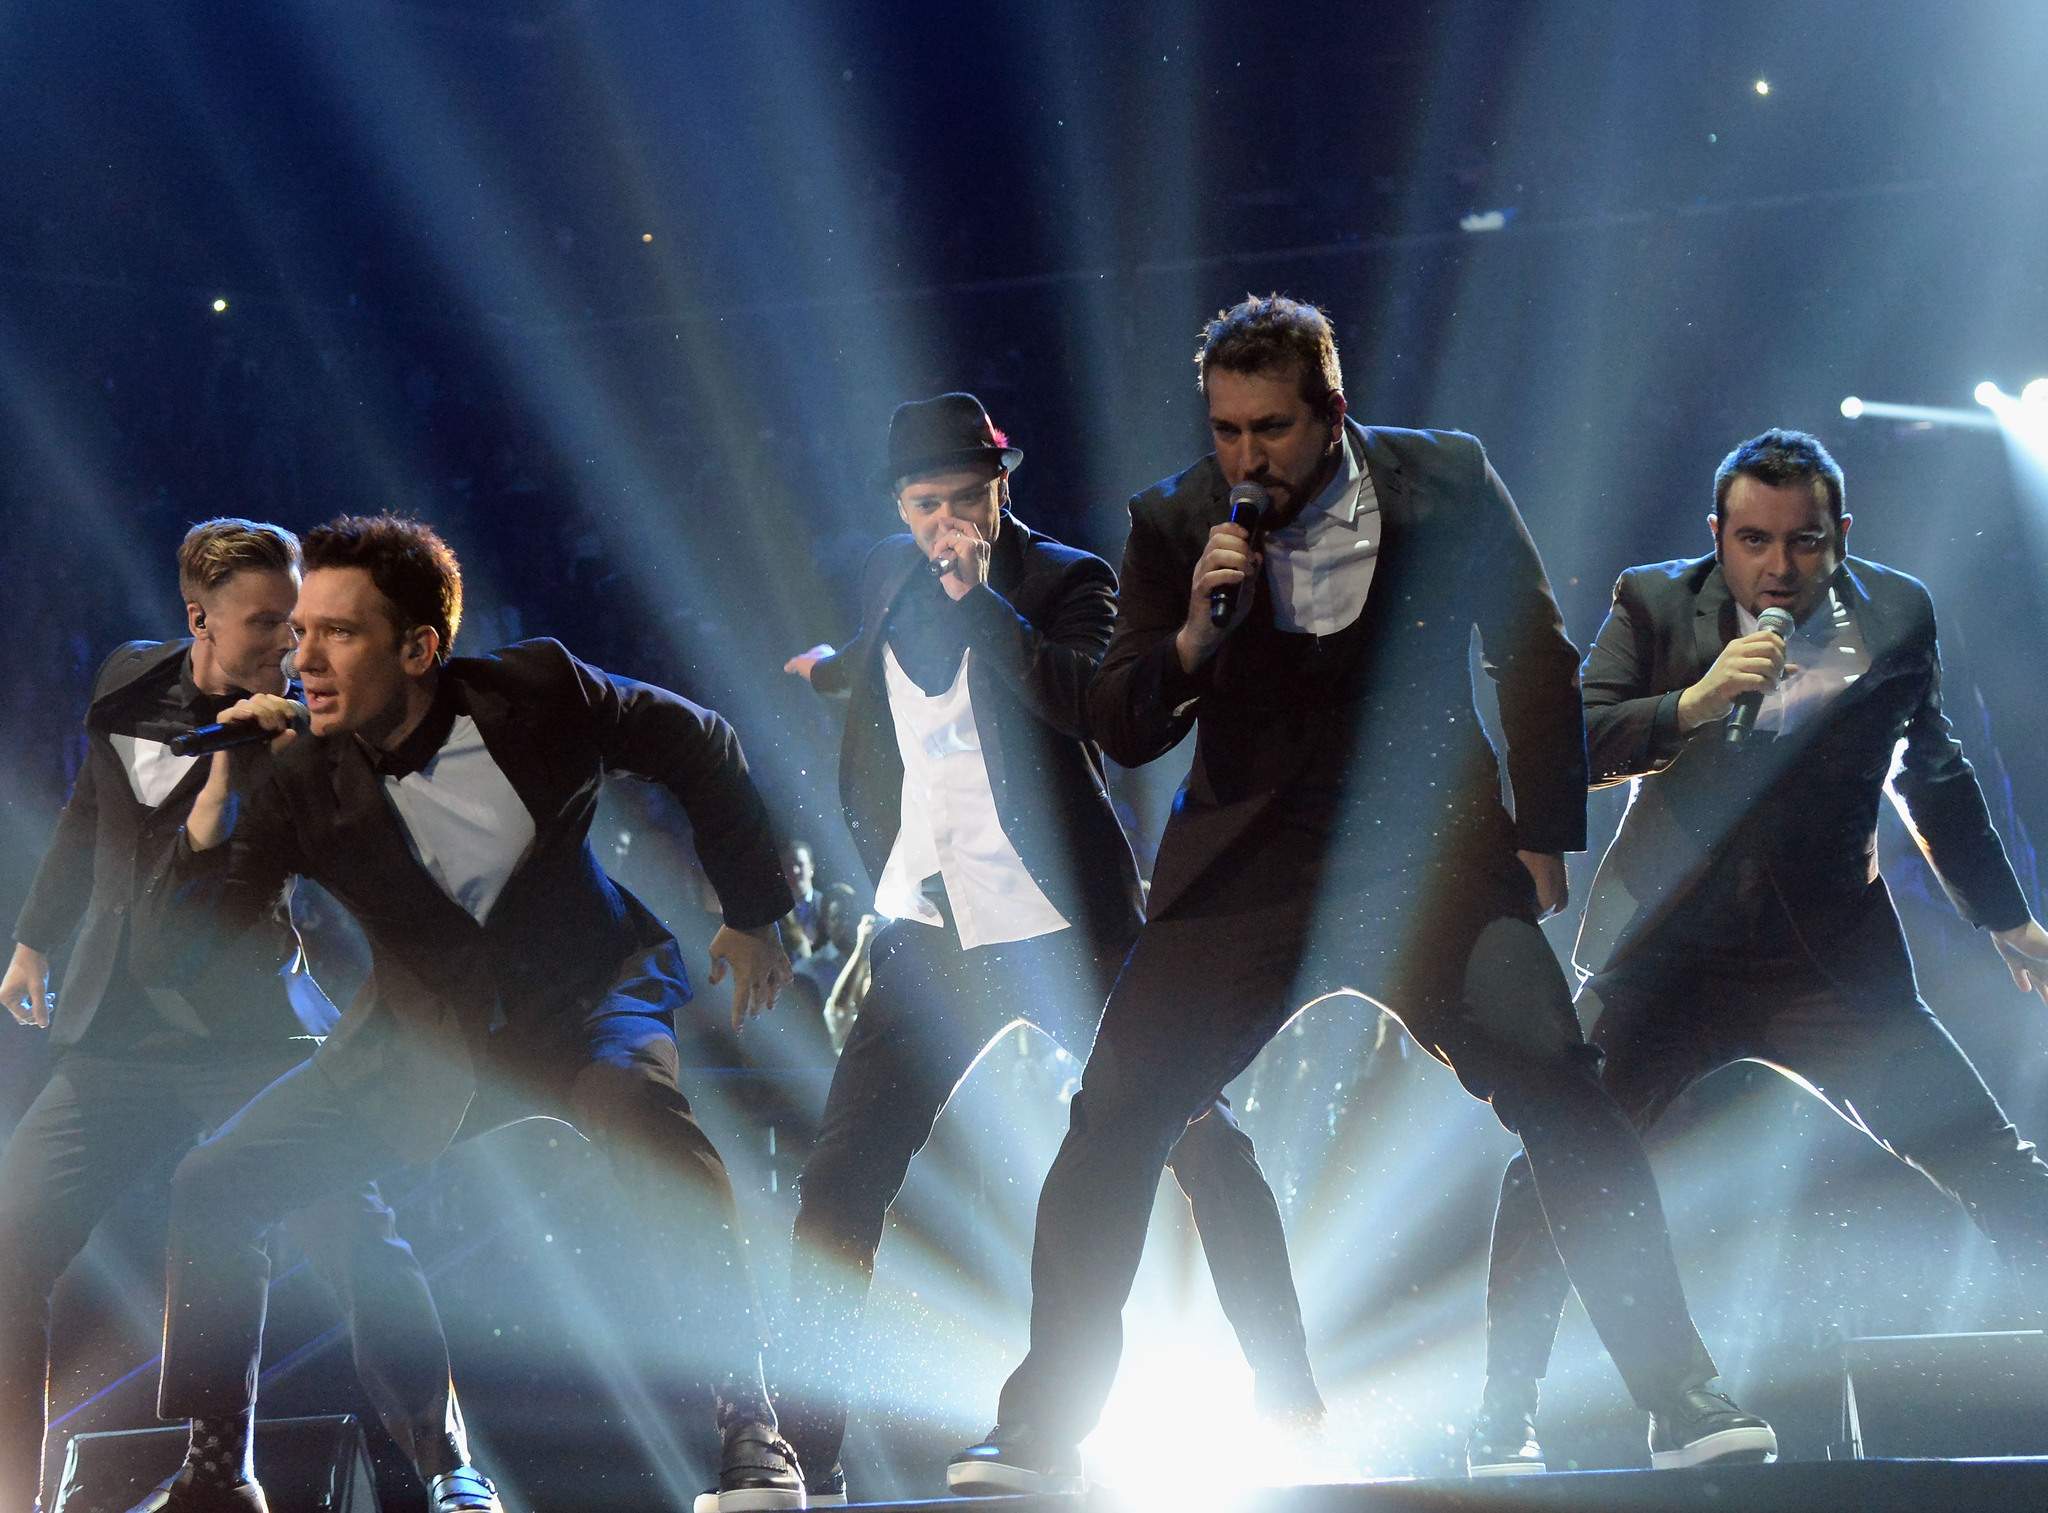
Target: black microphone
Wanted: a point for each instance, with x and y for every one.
(207, 739)
(1248, 505)
(1742, 718)
(938, 567)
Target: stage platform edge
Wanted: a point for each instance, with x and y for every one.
(2011, 1485)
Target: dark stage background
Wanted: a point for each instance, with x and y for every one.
(620, 296)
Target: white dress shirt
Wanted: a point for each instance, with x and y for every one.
(465, 822)
(1822, 658)
(949, 823)
(1320, 566)
(152, 771)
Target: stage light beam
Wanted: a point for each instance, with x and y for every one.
(1987, 394)
(1852, 407)
(2035, 393)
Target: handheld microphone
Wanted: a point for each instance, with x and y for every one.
(1742, 718)
(207, 739)
(938, 567)
(1248, 505)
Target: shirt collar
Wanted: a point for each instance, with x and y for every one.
(428, 737)
(1340, 496)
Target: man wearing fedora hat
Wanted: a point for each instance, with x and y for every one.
(977, 800)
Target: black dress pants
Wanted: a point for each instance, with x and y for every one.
(1459, 959)
(101, 1124)
(611, 1076)
(1889, 1069)
(934, 1009)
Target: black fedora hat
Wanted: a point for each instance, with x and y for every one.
(927, 435)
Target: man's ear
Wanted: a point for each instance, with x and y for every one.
(1714, 530)
(1338, 407)
(422, 649)
(195, 619)
(1842, 534)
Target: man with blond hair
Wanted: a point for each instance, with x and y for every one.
(143, 1072)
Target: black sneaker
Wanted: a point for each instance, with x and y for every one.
(1010, 1462)
(1503, 1439)
(757, 1473)
(1705, 1426)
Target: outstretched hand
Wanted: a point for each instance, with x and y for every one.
(802, 663)
(760, 968)
(2025, 950)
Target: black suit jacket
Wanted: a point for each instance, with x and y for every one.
(1805, 808)
(106, 847)
(557, 936)
(1036, 630)
(1453, 554)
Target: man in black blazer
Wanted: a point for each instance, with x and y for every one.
(1342, 826)
(1012, 891)
(141, 1072)
(1739, 912)
(447, 805)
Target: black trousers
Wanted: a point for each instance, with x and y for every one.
(612, 1076)
(933, 1010)
(1461, 962)
(101, 1124)
(1889, 1069)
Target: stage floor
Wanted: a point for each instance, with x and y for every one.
(1865, 1486)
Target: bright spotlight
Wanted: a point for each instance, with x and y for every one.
(1986, 394)
(1763, 86)
(1852, 407)
(220, 307)
(2036, 393)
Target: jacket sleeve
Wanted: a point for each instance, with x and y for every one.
(833, 677)
(1142, 703)
(63, 882)
(1536, 669)
(198, 902)
(1050, 670)
(696, 755)
(1942, 795)
(1631, 724)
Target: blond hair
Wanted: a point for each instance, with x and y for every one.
(213, 551)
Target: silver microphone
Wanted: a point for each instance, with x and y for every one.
(1742, 718)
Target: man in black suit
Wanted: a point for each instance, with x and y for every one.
(447, 805)
(1342, 826)
(978, 803)
(1739, 913)
(141, 1072)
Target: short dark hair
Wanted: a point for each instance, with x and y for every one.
(1271, 334)
(411, 566)
(1781, 459)
(213, 551)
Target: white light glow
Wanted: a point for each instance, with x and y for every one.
(2035, 393)
(1987, 394)
(1763, 86)
(1852, 407)
(220, 307)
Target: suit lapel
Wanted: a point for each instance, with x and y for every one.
(1713, 622)
(376, 871)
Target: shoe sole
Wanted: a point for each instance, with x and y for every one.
(755, 1500)
(1507, 1468)
(1758, 1445)
(994, 1479)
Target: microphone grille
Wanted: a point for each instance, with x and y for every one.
(1777, 620)
(290, 664)
(1253, 494)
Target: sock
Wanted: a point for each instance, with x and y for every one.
(222, 1450)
